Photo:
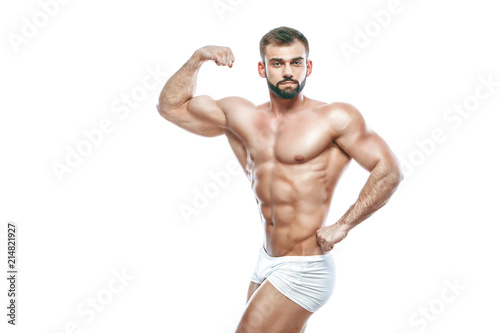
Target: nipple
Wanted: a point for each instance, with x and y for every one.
(299, 158)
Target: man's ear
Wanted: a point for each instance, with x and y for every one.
(262, 69)
(309, 67)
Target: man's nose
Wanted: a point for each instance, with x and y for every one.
(287, 71)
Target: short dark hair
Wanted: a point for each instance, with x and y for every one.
(282, 36)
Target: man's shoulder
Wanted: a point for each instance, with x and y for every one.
(339, 107)
(341, 115)
(239, 111)
(231, 102)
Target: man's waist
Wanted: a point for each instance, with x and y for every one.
(281, 244)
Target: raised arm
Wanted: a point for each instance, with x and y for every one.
(200, 115)
(368, 149)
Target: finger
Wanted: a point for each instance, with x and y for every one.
(326, 247)
(222, 60)
(229, 56)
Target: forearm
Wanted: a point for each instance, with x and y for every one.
(381, 184)
(181, 87)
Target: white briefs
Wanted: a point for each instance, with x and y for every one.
(306, 280)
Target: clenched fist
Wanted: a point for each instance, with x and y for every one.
(327, 237)
(223, 56)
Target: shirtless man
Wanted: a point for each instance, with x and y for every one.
(293, 150)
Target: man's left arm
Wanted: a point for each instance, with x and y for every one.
(351, 134)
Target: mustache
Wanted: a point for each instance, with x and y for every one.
(287, 80)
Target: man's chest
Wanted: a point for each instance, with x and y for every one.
(293, 139)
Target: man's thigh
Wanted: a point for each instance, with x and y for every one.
(270, 311)
(252, 288)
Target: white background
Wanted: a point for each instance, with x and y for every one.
(119, 208)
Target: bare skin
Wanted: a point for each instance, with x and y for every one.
(293, 152)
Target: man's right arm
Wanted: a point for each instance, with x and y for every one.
(201, 114)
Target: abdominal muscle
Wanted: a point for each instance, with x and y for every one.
(295, 236)
(294, 200)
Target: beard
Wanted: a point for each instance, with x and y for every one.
(287, 93)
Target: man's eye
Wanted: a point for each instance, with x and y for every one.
(276, 64)
(298, 63)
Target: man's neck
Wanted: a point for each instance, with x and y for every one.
(281, 106)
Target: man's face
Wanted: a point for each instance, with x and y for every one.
(285, 69)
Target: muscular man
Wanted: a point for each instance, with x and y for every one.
(293, 150)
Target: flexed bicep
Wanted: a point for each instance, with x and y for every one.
(201, 115)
